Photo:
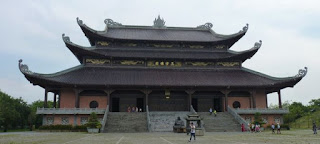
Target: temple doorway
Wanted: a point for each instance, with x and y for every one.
(115, 104)
(217, 104)
(140, 103)
(194, 104)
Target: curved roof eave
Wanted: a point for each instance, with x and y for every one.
(91, 33)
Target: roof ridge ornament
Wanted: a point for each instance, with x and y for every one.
(302, 72)
(79, 21)
(24, 68)
(159, 22)
(66, 38)
(206, 26)
(258, 44)
(245, 28)
(110, 22)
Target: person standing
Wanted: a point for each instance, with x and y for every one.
(314, 127)
(192, 132)
(272, 127)
(137, 109)
(210, 110)
(278, 128)
(215, 112)
(242, 127)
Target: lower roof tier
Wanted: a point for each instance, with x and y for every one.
(93, 76)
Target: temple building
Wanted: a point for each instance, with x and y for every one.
(158, 68)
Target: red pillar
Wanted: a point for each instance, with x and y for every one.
(279, 97)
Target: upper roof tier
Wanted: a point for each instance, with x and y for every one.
(109, 77)
(158, 53)
(159, 32)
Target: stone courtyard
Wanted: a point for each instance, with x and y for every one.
(292, 137)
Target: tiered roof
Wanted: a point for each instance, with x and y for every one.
(170, 57)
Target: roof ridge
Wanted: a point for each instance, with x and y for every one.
(62, 72)
(265, 75)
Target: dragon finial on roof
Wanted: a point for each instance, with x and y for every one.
(205, 26)
(258, 44)
(24, 68)
(65, 38)
(245, 28)
(110, 22)
(302, 72)
(159, 22)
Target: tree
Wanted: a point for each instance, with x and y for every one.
(33, 118)
(93, 121)
(258, 119)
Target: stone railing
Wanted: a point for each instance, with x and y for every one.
(261, 110)
(237, 117)
(148, 119)
(69, 110)
(105, 117)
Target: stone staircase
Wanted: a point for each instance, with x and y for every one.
(126, 122)
(164, 121)
(223, 122)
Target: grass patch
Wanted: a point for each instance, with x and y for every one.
(305, 122)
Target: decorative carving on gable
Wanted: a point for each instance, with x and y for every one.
(129, 44)
(110, 22)
(200, 63)
(131, 62)
(196, 46)
(205, 26)
(220, 46)
(228, 64)
(162, 45)
(164, 64)
(103, 43)
(98, 61)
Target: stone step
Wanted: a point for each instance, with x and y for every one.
(164, 121)
(126, 122)
(223, 122)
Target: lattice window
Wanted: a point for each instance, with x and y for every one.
(83, 120)
(277, 120)
(65, 120)
(50, 120)
(265, 119)
(248, 119)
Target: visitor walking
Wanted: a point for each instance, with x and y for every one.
(137, 109)
(278, 128)
(273, 127)
(314, 127)
(215, 112)
(133, 109)
(129, 109)
(192, 132)
(210, 111)
(252, 127)
(140, 110)
(242, 127)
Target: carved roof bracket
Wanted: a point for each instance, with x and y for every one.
(302, 72)
(258, 44)
(206, 26)
(110, 22)
(159, 22)
(24, 68)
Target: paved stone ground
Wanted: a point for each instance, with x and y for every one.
(292, 137)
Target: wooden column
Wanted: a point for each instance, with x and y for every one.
(146, 92)
(59, 99)
(279, 98)
(108, 92)
(77, 102)
(252, 97)
(45, 103)
(55, 100)
(226, 93)
(190, 93)
(266, 101)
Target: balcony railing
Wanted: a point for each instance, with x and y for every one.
(69, 110)
(261, 110)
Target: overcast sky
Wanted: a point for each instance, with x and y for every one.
(289, 29)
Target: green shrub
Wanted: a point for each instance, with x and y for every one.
(56, 127)
(93, 121)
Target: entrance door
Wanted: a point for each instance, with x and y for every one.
(140, 103)
(115, 104)
(194, 104)
(217, 104)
